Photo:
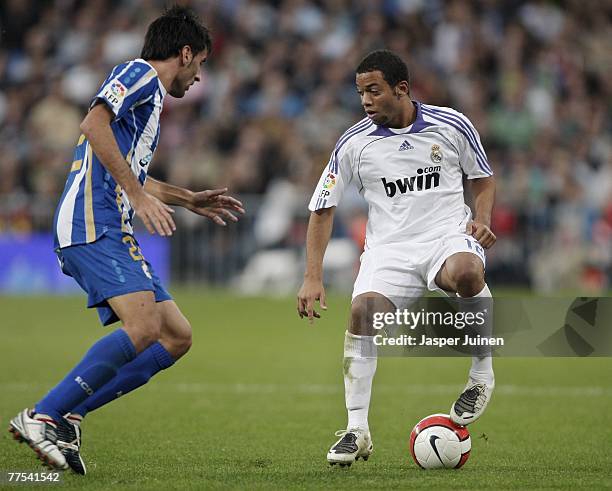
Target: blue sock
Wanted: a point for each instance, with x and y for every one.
(99, 365)
(131, 376)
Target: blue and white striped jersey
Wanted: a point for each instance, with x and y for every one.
(411, 178)
(92, 202)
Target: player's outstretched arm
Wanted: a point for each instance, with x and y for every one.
(213, 204)
(96, 128)
(317, 238)
(483, 191)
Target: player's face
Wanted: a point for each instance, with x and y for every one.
(381, 102)
(189, 73)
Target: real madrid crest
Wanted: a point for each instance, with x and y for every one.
(436, 154)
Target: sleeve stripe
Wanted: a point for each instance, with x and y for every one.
(330, 164)
(480, 155)
(113, 74)
(351, 131)
(131, 85)
(142, 81)
(485, 168)
(320, 204)
(121, 72)
(359, 129)
(466, 125)
(346, 136)
(143, 101)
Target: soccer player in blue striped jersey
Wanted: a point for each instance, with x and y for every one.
(95, 243)
(408, 160)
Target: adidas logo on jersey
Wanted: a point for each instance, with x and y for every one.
(426, 178)
(405, 146)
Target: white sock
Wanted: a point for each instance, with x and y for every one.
(360, 358)
(482, 366)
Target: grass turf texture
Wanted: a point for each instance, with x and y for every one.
(256, 402)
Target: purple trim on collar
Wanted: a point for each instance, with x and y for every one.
(418, 125)
(382, 131)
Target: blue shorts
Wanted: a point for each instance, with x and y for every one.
(111, 266)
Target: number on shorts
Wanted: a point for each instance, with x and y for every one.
(474, 245)
(135, 251)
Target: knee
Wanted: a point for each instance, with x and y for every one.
(178, 338)
(145, 331)
(469, 280)
(184, 339)
(358, 318)
(363, 309)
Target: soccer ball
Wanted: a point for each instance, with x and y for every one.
(436, 442)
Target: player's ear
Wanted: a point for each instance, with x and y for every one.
(186, 55)
(402, 89)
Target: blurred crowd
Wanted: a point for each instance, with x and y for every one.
(278, 90)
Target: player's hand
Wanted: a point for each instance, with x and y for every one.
(309, 293)
(155, 215)
(216, 206)
(482, 233)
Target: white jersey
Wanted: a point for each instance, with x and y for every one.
(411, 178)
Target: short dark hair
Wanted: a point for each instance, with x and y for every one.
(177, 27)
(393, 68)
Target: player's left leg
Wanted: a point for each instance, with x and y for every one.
(463, 273)
(360, 360)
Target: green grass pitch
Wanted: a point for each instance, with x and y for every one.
(256, 402)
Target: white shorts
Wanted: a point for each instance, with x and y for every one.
(404, 271)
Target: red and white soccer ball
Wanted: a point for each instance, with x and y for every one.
(436, 442)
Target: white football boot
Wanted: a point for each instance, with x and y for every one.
(39, 432)
(353, 444)
(471, 403)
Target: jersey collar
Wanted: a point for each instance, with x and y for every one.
(418, 125)
(161, 86)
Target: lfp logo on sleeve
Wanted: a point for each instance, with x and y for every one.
(115, 92)
(330, 181)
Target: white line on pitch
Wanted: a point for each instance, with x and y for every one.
(247, 388)
(255, 389)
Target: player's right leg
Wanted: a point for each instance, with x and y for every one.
(360, 359)
(387, 278)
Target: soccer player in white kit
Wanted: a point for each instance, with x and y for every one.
(408, 160)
